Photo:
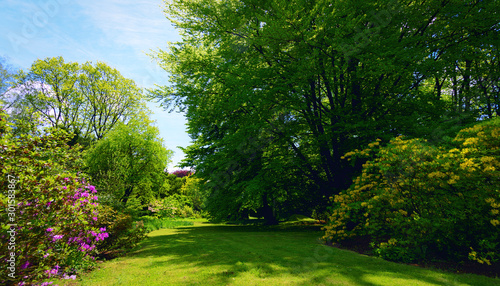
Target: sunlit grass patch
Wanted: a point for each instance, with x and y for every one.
(210, 254)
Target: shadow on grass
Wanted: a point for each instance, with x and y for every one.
(274, 252)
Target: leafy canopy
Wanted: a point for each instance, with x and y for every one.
(84, 99)
(129, 161)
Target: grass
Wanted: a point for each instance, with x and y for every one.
(209, 254)
(152, 223)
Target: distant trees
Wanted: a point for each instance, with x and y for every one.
(277, 91)
(129, 162)
(182, 173)
(84, 99)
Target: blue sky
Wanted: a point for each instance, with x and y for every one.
(116, 32)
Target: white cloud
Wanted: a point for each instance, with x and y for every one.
(140, 25)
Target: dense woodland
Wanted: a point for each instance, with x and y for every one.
(378, 117)
(279, 95)
(277, 92)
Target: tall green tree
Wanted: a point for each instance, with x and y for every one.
(87, 100)
(277, 91)
(129, 161)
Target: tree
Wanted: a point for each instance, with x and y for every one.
(6, 76)
(129, 161)
(112, 97)
(304, 83)
(86, 100)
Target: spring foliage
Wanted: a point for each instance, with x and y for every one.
(415, 201)
(51, 227)
(129, 161)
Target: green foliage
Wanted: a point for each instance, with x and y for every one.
(276, 91)
(174, 206)
(86, 100)
(416, 201)
(129, 162)
(171, 185)
(124, 232)
(6, 76)
(49, 224)
(192, 189)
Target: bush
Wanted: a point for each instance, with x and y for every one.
(175, 206)
(415, 201)
(124, 233)
(50, 227)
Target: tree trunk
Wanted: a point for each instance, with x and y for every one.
(126, 195)
(267, 211)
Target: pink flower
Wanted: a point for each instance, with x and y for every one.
(25, 265)
(49, 229)
(73, 277)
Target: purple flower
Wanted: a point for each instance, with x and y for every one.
(65, 187)
(102, 229)
(57, 237)
(94, 218)
(102, 236)
(25, 265)
(53, 271)
(66, 179)
(73, 277)
(49, 229)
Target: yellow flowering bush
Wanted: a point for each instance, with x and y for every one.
(415, 201)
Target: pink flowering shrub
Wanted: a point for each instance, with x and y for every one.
(50, 226)
(182, 173)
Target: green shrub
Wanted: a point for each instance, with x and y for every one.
(124, 232)
(415, 201)
(174, 206)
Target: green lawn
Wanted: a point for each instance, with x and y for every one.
(209, 254)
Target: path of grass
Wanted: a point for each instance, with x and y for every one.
(207, 254)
